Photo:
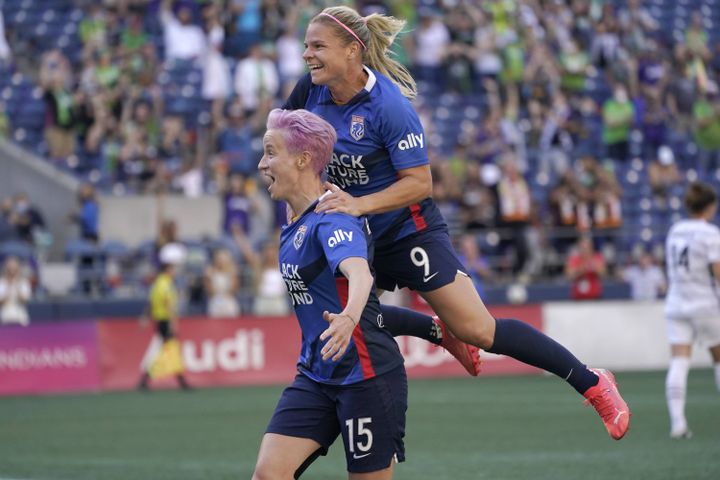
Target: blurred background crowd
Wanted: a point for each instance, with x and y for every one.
(561, 133)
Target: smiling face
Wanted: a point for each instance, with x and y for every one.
(325, 55)
(278, 167)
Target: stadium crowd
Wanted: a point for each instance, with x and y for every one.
(551, 124)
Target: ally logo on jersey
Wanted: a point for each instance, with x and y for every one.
(412, 140)
(339, 236)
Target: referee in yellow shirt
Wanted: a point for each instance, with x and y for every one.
(164, 310)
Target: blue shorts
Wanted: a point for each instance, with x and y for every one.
(370, 415)
(424, 261)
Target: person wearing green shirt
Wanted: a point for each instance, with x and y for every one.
(618, 114)
(706, 128)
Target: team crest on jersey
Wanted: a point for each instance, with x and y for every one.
(357, 127)
(299, 237)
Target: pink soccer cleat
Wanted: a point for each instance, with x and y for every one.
(468, 355)
(607, 401)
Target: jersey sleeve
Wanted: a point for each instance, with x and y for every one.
(341, 237)
(403, 134)
(298, 97)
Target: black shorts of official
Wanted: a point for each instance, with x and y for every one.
(162, 327)
(370, 415)
(423, 261)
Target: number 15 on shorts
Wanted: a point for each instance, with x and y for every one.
(360, 437)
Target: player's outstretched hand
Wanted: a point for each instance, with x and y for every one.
(338, 201)
(337, 335)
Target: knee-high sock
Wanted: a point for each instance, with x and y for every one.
(717, 376)
(676, 391)
(403, 321)
(522, 342)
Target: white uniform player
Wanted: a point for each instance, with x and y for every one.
(692, 306)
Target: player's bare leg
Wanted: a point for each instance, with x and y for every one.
(280, 456)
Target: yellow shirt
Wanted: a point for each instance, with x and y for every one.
(163, 298)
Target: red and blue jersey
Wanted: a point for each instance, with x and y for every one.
(311, 249)
(378, 134)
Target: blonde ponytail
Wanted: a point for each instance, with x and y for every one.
(377, 33)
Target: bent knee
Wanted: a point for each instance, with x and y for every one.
(269, 471)
(478, 333)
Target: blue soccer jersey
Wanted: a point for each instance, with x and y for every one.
(378, 134)
(311, 248)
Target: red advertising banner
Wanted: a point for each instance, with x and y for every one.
(60, 357)
(246, 351)
(264, 350)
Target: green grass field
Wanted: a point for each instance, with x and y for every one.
(486, 428)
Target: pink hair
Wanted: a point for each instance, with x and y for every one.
(304, 131)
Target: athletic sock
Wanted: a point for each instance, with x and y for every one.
(676, 391)
(403, 321)
(522, 342)
(717, 376)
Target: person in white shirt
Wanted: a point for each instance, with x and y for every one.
(692, 307)
(647, 280)
(14, 294)
(256, 79)
(183, 40)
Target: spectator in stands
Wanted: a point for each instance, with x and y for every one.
(647, 280)
(60, 111)
(93, 29)
(476, 264)
(246, 26)
(238, 203)
(696, 38)
(514, 203)
(256, 79)
(555, 141)
(542, 72)
(7, 228)
(618, 118)
(216, 72)
(87, 217)
(270, 297)
(654, 121)
(15, 292)
(183, 39)
(681, 90)
(663, 174)
(575, 65)
(478, 204)
(607, 215)
(569, 211)
(585, 268)
(706, 130)
(430, 47)
(635, 16)
(221, 286)
(28, 220)
(5, 53)
(461, 22)
(290, 63)
(133, 36)
(235, 142)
